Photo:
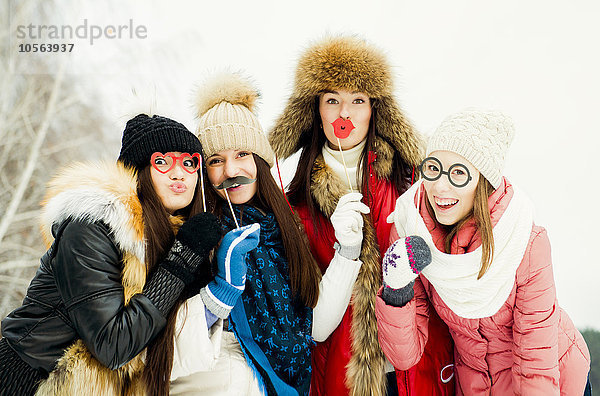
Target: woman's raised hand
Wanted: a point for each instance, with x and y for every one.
(402, 263)
(200, 233)
(347, 222)
(194, 240)
(224, 291)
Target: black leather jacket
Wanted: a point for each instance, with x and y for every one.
(77, 293)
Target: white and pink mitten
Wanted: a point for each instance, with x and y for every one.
(402, 262)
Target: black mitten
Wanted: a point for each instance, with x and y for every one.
(195, 239)
(200, 233)
(193, 242)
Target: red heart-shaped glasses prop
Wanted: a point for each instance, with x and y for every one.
(165, 162)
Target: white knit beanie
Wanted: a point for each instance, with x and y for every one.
(481, 136)
(224, 106)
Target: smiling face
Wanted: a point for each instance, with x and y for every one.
(176, 187)
(338, 107)
(228, 164)
(451, 204)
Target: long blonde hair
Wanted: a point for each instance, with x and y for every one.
(481, 213)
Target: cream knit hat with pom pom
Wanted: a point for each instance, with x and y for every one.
(225, 107)
(481, 136)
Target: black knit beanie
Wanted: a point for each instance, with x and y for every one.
(144, 135)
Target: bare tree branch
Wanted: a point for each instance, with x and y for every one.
(9, 265)
(25, 216)
(14, 281)
(33, 154)
(44, 124)
(20, 248)
(67, 145)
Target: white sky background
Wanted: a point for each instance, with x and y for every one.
(538, 61)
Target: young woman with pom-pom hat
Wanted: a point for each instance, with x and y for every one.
(126, 241)
(283, 302)
(490, 272)
(344, 84)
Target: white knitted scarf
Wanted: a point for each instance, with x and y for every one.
(454, 276)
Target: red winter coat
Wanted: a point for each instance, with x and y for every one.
(331, 357)
(529, 346)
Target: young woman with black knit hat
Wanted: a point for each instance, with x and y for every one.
(125, 238)
(488, 274)
(345, 81)
(279, 297)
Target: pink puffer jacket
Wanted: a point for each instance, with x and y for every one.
(530, 346)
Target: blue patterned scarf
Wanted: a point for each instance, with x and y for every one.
(273, 328)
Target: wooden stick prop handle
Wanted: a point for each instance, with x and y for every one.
(231, 208)
(202, 186)
(344, 162)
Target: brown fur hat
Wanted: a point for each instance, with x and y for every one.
(349, 63)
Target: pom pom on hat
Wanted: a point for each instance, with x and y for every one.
(225, 106)
(480, 136)
(226, 87)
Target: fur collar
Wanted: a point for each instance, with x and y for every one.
(97, 191)
(365, 375)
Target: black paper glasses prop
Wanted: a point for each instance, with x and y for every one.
(458, 174)
(189, 162)
(233, 182)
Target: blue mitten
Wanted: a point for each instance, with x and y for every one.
(402, 263)
(221, 294)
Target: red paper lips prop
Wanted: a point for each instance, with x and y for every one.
(342, 128)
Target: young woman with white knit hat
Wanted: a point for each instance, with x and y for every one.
(487, 271)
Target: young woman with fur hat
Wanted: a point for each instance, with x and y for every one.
(342, 80)
(120, 254)
(267, 345)
(490, 273)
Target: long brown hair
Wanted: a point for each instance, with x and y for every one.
(159, 234)
(311, 144)
(481, 213)
(304, 272)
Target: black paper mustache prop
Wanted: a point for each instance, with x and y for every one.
(234, 182)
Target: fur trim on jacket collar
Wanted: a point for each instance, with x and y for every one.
(95, 191)
(347, 63)
(365, 375)
(98, 191)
